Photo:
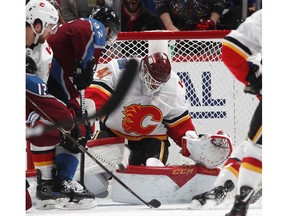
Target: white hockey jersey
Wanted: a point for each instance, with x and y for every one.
(244, 45)
(140, 115)
(249, 33)
(42, 54)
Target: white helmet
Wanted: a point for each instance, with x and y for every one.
(42, 10)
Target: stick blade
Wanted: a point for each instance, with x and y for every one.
(154, 203)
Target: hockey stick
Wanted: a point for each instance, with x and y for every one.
(153, 203)
(120, 91)
(88, 135)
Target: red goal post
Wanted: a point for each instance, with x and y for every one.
(215, 98)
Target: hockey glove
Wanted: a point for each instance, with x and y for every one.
(210, 150)
(84, 75)
(31, 67)
(84, 124)
(254, 79)
(205, 24)
(69, 145)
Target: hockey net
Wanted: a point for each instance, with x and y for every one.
(215, 98)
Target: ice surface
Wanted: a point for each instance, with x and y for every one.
(106, 207)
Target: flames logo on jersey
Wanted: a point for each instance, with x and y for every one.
(142, 120)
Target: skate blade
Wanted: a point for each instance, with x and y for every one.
(195, 204)
(51, 204)
(82, 204)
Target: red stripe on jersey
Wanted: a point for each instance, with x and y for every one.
(177, 131)
(235, 63)
(252, 161)
(232, 162)
(48, 49)
(43, 157)
(99, 96)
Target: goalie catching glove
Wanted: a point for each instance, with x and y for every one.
(84, 74)
(210, 150)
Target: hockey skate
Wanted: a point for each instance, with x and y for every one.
(47, 197)
(79, 197)
(212, 197)
(62, 194)
(241, 203)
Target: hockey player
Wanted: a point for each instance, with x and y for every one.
(41, 22)
(243, 169)
(43, 147)
(77, 46)
(153, 110)
(41, 19)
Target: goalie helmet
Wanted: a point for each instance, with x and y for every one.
(155, 71)
(109, 19)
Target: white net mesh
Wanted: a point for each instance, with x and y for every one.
(216, 99)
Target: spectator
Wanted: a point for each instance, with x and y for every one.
(135, 17)
(190, 14)
(232, 15)
(74, 9)
(150, 5)
(252, 6)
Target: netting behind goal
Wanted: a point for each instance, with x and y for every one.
(216, 99)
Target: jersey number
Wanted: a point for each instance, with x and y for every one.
(42, 89)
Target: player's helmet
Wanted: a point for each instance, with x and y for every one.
(43, 11)
(56, 3)
(109, 18)
(155, 71)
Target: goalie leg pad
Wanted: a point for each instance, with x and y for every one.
(210, 150)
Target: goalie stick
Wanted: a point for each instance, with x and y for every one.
(130, 69)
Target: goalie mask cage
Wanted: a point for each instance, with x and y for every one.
(215, 98)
